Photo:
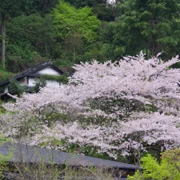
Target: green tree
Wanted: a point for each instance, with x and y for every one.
(15, 88)
(22, 41)
(99, 7)
(44, 6)
(11, 8)
(29, 40)
(68, 20)
(7, 8)
(168, 168)
(74, 28)
(149, 25)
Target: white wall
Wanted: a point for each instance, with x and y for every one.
(6, 89)
(50, 83)
(49, 71)
(23, 82)
(32, 82)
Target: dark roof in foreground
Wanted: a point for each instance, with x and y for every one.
(33, 154)
(32, 71)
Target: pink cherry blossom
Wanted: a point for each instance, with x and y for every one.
(116, 106)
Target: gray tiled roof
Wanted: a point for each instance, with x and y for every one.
(33, 154)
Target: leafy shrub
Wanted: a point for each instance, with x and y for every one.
(168, 168)
(61, 79)
(4, 75)
(15, 88)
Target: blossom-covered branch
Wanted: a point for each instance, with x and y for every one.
(116, 106)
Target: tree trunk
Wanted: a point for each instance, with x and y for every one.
(153, 45)
(154, 24)
(3, 40)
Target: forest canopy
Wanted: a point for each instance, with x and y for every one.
(69, 32)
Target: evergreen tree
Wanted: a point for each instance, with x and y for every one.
(7, 8)
(10, 9)
(30, 40)
(149, 25)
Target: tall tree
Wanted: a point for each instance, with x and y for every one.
(74, 26)
(68, 19)
(29, 38)
(149, 25)
(104, 10)
(7, 8)
(44, 6)
(10, 8)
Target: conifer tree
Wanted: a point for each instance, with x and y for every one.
(149, 25)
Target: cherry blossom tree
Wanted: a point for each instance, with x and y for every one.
(126, 106)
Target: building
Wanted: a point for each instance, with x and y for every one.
(29, 77)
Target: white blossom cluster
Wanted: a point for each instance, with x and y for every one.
(122, 106)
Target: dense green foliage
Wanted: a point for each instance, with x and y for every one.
(69, 32)
(168, 168)
(151, 26)
(4, 75)
(75, 28)
(15, 88)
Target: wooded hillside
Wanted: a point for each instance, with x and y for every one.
(68, 32)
